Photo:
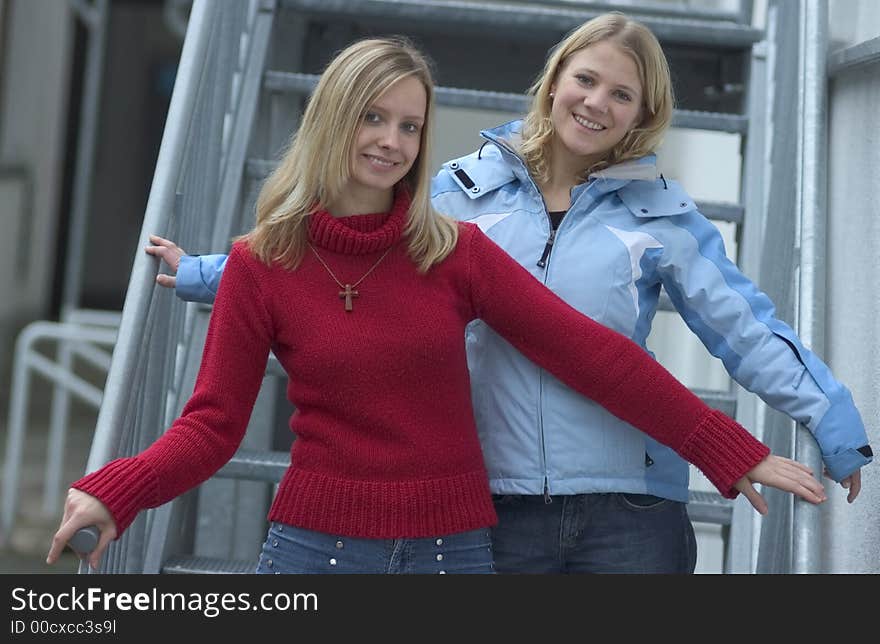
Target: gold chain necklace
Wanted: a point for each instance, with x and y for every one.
(348, 292)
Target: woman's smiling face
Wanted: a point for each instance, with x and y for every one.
(597, 99)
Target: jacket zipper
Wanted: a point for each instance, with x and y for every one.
(542, 263)
(547, 247)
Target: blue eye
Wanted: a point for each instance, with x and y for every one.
(584, 79)
(624, 96)
(410, 128)
(371, 117)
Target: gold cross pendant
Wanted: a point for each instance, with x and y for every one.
(348, 294)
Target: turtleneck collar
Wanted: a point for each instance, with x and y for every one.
(360, 234)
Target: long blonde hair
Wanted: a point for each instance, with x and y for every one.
(316, 166)
(633, 39)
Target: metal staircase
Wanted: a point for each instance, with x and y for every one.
(245, 70)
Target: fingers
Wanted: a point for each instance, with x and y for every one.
(852, 483)
(168, 281)
(787, 463)
(797, 478)
(788, 476)
(166, 250)
(160, 248)
(806, 486)
(793, 463)
(95, 556)
(855, 485)
(69, 527)
(161, 241)
(754, 497)
(82, 510)
(59, 541)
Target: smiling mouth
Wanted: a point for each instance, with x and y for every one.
(590, 125)
(384, 163)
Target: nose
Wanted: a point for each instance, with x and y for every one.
(597, 100)
(389, 139)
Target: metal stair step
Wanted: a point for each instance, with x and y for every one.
(703, 507)
(723, 401)
(722, 211)
(259, 169)
(299, 83)
(269, 466)
(709, 507)
(273, 366)
(256, 465)
(532, 18)
(194, 565)
(713, 121)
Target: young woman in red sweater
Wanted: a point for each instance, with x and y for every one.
(363, 293)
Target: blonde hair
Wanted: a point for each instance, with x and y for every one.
(633, 39)
(316, 167)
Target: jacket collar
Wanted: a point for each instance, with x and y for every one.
(508, 138)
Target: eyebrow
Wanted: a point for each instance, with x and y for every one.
(595, 73)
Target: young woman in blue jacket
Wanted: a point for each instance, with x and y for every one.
(573, 194)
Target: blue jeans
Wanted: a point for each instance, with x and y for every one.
(292, 550)
(593, 533)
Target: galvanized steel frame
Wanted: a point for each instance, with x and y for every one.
(531, 17)
(149, 361)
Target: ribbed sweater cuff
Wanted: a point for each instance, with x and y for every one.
(723, 450)
(126, 486)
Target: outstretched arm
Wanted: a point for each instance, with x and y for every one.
(738, 324)
(614, 371)
(202, 439)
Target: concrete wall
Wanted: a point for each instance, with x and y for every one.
(851, 542)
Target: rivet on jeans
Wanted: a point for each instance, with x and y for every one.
(333, 562)
(439, 542)
(269, 562)
(274, 543)
(439, 557)
(339, 545)
(442, 572)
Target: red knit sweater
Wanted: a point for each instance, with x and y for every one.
(386, 444)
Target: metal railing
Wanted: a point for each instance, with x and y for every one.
(785, 254)
(86, 336)
(143, 390)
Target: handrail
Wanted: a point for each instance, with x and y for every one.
(120, 380)
(154, 358)
(813, 209)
